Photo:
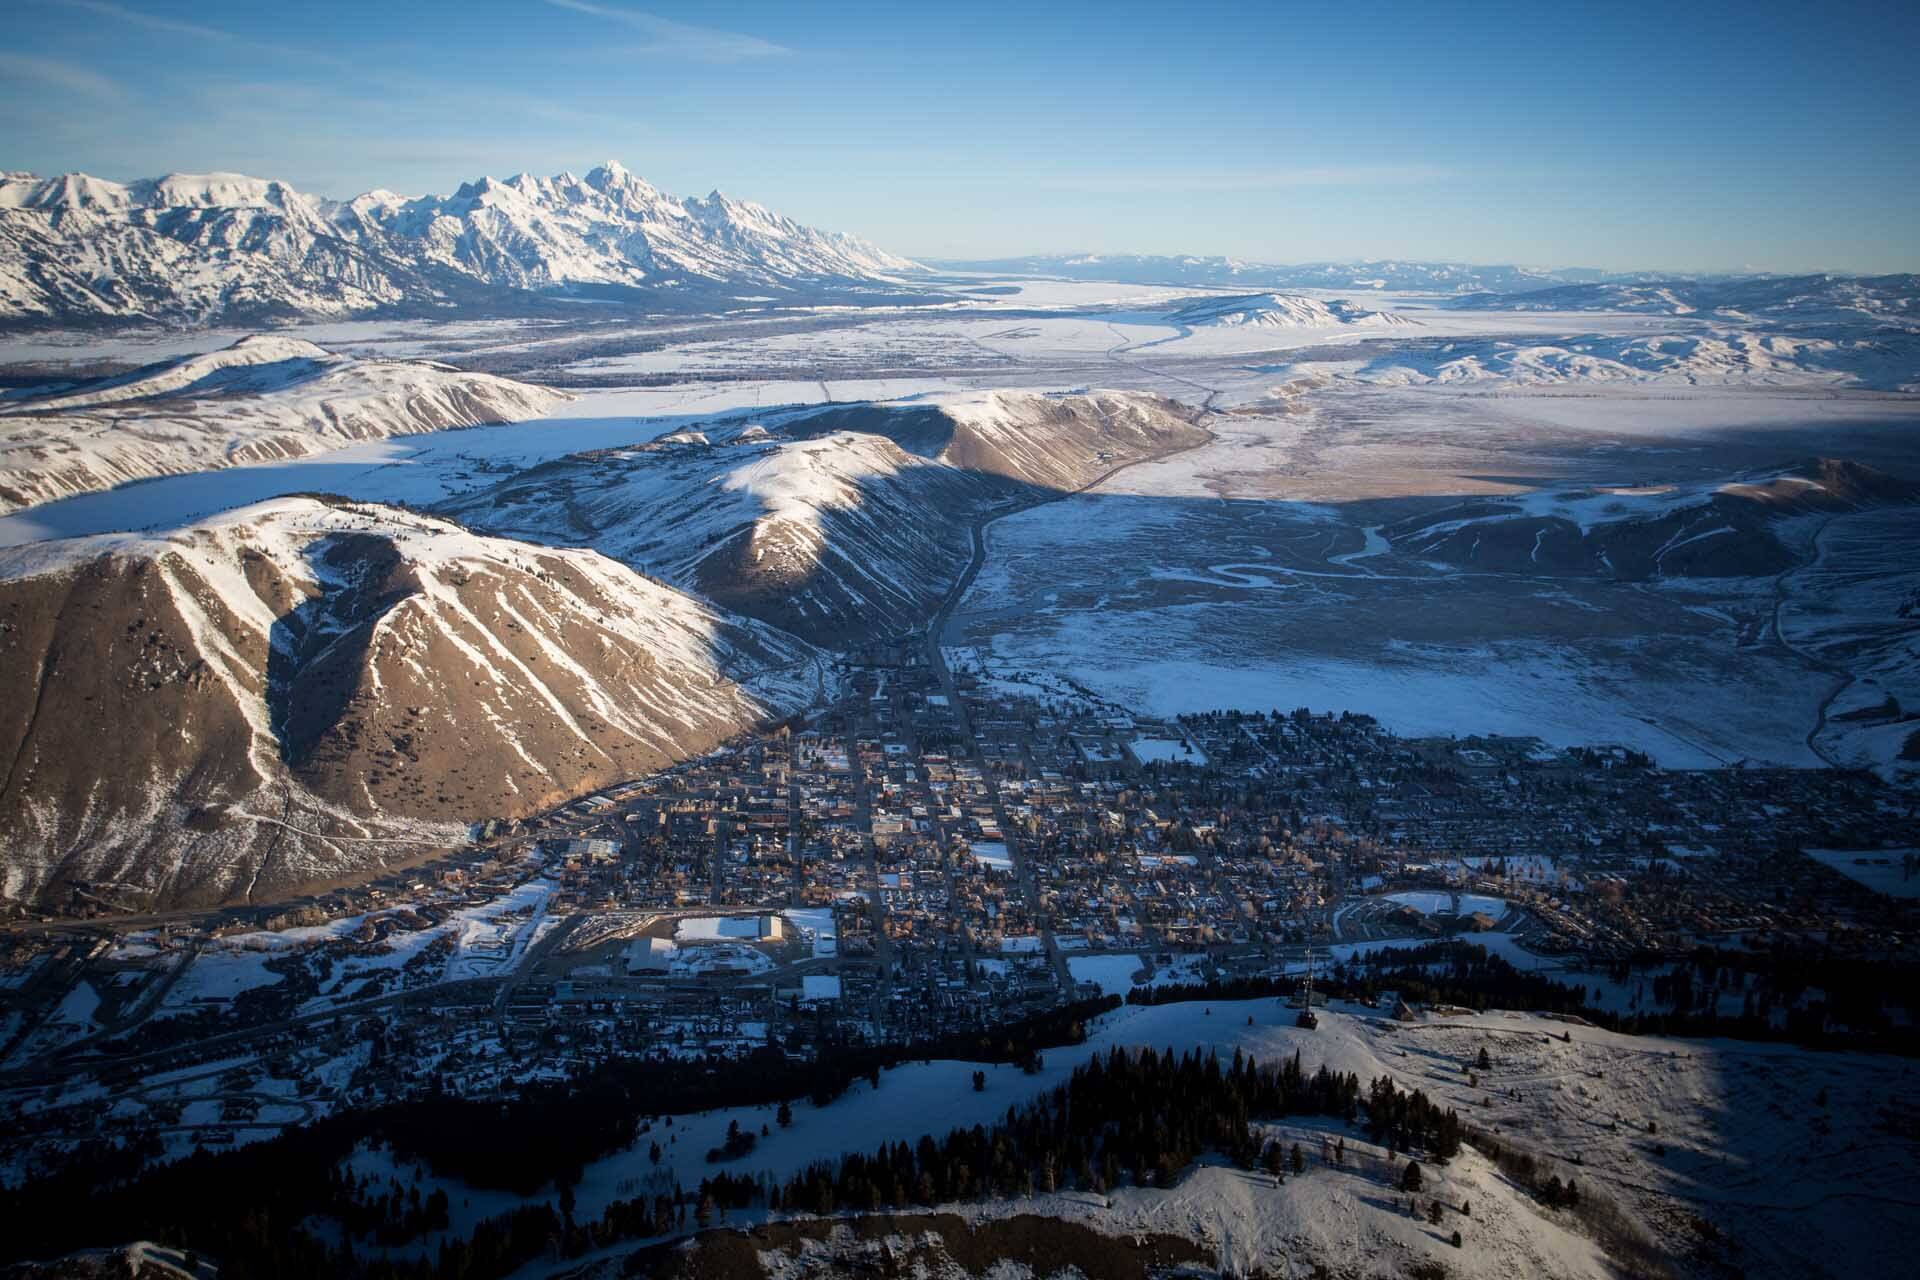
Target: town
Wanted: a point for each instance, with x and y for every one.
(938, 852)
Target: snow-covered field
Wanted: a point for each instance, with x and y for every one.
(716, 928)
(1881, 870)
(1166, 751)
(992, 854)
(1114, 974)
(1215, 618)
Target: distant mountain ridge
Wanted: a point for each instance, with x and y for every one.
(1823, 301)
(1717, 529)
(1384, 274)
(196, 248)
(1814, 298)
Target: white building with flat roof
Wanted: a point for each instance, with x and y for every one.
(649, 955)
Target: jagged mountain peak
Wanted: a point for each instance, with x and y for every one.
(195, 247)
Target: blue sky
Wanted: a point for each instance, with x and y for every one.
(1691, 135)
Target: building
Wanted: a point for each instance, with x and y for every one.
(649, 955)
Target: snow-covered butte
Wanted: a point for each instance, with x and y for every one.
(838, 523)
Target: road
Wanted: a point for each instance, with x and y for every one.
(937, 663)
(882, 943)
(1843, 678)
(535, 955)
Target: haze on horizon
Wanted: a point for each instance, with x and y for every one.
(1764, 137)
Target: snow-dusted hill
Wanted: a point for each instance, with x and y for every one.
(834, 538)
(1722, 529)
(261, 399)
(141, 1260)
(836, 524)
(192, 248)
(189, 709)
(1282, 311)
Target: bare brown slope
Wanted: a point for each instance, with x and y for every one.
(302, 690)
(115, 730)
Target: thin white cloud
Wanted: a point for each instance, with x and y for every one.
(1225, 181)
(153, 22)
(197, 31)
(683, 39)
(62, 75)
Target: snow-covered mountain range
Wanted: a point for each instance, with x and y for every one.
(264, 397)
(193, 248)
(298, 689)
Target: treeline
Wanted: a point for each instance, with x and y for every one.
(1822, 1000)
(1127, 1118)
(1464, 974)
(1444, 972)
(553, 1130)
(1807, 994)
